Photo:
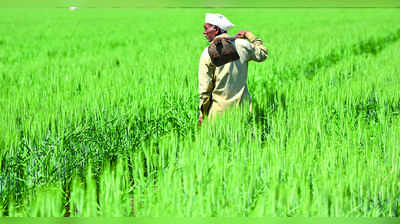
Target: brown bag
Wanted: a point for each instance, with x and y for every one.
(222, 51)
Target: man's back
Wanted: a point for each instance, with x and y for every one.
(226, 85)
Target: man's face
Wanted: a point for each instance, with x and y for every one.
(210, 31)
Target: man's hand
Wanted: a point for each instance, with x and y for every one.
(200, 120)
(242, 33)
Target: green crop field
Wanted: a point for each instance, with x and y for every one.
(98, 115)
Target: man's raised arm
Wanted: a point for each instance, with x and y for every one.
(258, 51)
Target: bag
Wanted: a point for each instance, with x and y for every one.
(222, 51)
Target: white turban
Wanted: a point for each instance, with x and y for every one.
(219, 20)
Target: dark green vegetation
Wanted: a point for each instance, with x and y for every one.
(99, 108)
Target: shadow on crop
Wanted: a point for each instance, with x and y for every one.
(264, 109)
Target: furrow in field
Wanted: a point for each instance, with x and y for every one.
(372, 46)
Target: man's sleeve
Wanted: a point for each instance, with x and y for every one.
(206, 84)
(258, 51)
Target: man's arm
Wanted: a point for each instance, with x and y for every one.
(258, 51)
(206, 84)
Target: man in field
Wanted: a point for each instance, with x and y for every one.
(221, 87)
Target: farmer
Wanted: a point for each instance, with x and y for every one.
(221, 87)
